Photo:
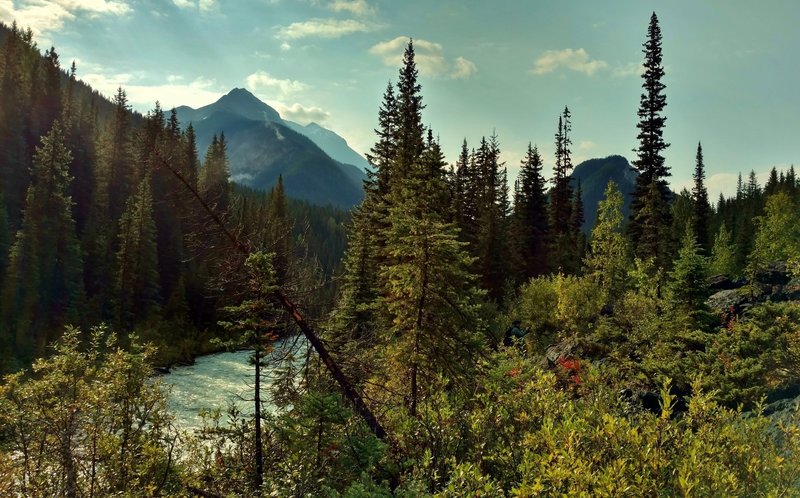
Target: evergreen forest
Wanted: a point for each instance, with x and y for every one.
(465, 336)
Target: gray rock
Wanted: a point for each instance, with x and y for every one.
(773, 274)
(724, 300)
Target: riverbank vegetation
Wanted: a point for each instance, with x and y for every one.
(630, 381)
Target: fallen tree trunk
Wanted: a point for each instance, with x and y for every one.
(341, 379)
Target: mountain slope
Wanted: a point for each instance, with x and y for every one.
(262, 147)
(334, 145)
(594, 175)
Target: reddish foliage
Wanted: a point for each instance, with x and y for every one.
(729, 318)
(573, 366)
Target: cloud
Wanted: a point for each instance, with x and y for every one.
(50, 15)
(142, 97)
(201, 5)
(322, 28)
(429, 57)
(463, 68)
(275, 92)
(356, 7)
(575, 60)
(263, 84)
(301, 114)
(626, 70)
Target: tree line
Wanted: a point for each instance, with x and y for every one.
(627, 381)
(93, 229)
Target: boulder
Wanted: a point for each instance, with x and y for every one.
(560, 350)
(773, 274)
(791, 291)
(725, 300)
(723, 282)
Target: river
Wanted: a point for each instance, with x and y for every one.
(216, 380)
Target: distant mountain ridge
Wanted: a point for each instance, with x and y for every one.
(593, 175)
(263, 146)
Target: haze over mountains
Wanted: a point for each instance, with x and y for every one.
(316, 164)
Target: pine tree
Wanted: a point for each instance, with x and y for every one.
(215, 181)
(650, 160)
(652, 243)
(279, 232)
(115, 169)
(723, 254)
(687, 289)
(563, 256)
(459, 179)
(43, 283)
(576, 223)
(702, 209)
(431, 305)
(682, 211)
(607, 262)
(778, 234)
(47, 98)
(79, 124)
(14, 125)
(383, 153)
(772, 182)
(530, 216)
(410, 132)
(492, 242)
(136, 283)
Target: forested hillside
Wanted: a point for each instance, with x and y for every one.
(480, 343)
(94, 228)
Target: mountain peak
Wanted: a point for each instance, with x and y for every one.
(241, 93)
(240, 101)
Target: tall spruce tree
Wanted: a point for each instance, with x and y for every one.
(410, 131)
(431, 304)
(14, 124)
(43, 284)
(562, 248)
(215, 181)
(723, 254)
(650, 164)
(492, 246)
(136, 286)
(458, 187)
(382, 154)
(530, 216)
(607, 261)
(702, 208)
(279, 232)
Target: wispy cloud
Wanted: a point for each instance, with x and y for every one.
(50, 15)
(355, 7)
(201, 5)
(266, 86)
(574, 60)
(276, 91)
(627, 70)
(173, 93)
(302, 114)
(322, 28)
(429, 57)
(463, 68)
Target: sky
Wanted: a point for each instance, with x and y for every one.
(505, 66)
